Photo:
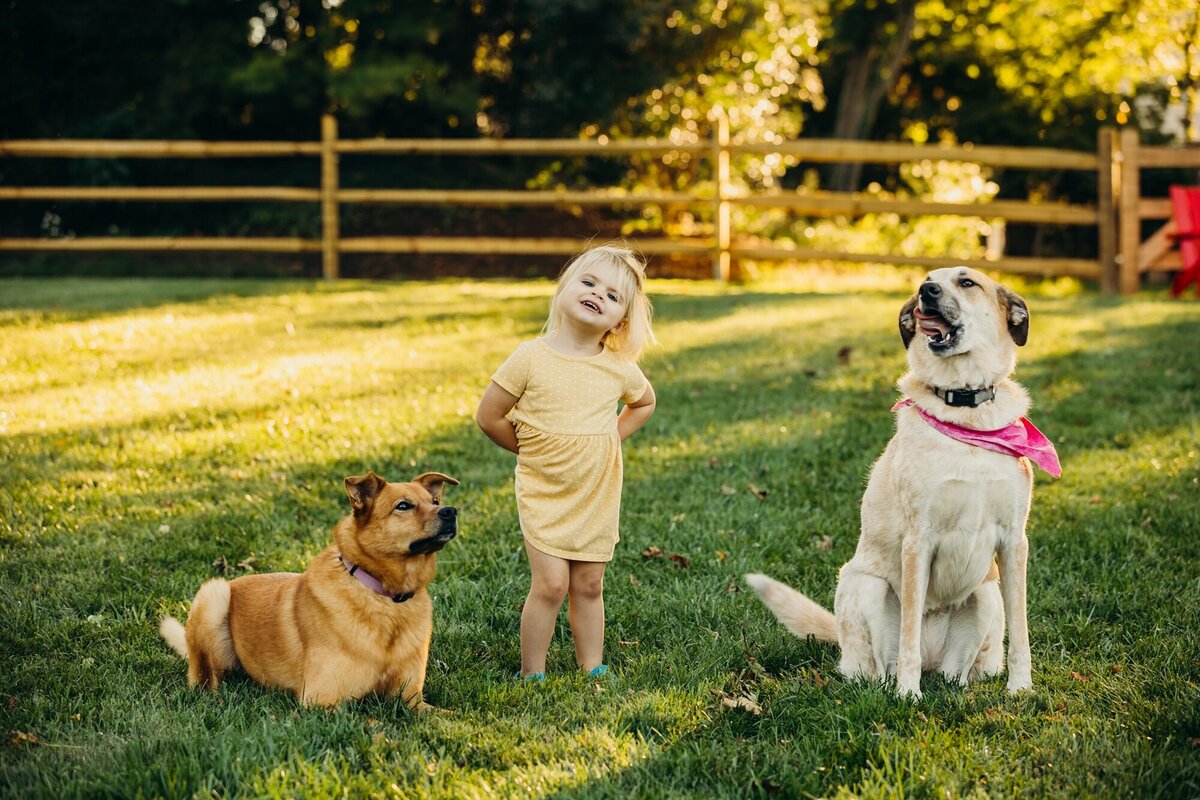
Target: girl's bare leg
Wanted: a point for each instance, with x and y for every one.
(586, 589)
(550, 579)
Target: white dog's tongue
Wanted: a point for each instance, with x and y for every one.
(931, 324)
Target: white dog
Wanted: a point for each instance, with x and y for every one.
(945, 503)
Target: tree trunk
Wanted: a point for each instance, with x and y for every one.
(867, 83)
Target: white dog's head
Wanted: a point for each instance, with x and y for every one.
(969, 325)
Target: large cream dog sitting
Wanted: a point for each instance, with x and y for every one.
(946, 502)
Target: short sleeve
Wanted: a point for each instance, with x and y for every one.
(635, 384)
(513, 374)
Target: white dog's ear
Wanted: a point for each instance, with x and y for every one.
(1016, 314)
(908, 323)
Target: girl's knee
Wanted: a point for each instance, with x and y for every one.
(549, 589)
(587, 587)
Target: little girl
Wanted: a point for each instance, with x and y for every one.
(554, 404)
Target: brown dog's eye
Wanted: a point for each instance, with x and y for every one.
(437, 502)
(404, 505)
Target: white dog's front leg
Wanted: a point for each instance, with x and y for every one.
(914, 582)
(1012, 558)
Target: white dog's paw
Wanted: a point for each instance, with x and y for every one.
(1019, 684)
(912, 692)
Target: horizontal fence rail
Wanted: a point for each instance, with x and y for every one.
(1117, 212)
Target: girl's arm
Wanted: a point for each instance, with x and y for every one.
(496, 403)
(635, 415)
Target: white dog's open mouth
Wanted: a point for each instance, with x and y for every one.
(942, 334)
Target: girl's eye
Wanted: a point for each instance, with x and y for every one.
(404, 505)
(612, 297)
(586, 282)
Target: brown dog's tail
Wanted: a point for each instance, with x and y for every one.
(798, 614)
(172, 630)
(206, 642)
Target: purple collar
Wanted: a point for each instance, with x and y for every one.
(1021, 438)
(371, 582)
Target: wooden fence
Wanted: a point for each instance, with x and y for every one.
(1116, 215)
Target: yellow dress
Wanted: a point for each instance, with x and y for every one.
(568, 479)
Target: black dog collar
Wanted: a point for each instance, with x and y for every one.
(965, 397)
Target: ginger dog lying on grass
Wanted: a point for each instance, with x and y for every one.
(357, 620)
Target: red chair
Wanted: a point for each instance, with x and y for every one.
(1185, 203)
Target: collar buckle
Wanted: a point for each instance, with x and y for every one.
(969, 398)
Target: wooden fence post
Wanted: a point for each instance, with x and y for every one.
(329, 204)
(1128, 219)
(1108, 183)
(721, 234)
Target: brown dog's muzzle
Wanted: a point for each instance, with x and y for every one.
(447, 530)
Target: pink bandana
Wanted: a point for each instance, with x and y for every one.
(1018, 439)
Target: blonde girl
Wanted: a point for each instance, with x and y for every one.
(554, 403)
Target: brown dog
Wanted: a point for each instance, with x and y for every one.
(358, 620)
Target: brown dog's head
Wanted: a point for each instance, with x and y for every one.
(400, 519)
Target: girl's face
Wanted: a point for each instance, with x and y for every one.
(593, 300)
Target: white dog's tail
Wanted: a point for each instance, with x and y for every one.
(798, 614)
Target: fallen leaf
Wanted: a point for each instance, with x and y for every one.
(817, 679)
(843, 355)
(633, 580)
(761, 494)
(246, 564)
(1080, 678)
(722, 555)
(1116, 668)
(714, 462)
(826, 543)
(634, 643)
(652, 552)
(20, 739)
(743, 701)
(1094, 499)
(221, 565)
(1194, 741)
(727, 489)
(681, 560)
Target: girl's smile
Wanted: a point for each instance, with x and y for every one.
(598, 304)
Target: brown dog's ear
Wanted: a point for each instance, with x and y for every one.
(363, 489)
(433, 482)
(1016, 315)
(908, 323)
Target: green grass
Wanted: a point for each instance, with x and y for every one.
(156, 433)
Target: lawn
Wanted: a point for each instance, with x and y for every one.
(154, 434)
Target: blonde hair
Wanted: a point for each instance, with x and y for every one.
(633, 333)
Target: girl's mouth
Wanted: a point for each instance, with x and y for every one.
(588, 304)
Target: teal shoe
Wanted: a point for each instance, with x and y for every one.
(537, 677)
(599, 672)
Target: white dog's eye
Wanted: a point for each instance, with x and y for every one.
(966, 283)
(404, 505)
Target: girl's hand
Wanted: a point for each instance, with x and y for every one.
(635, 415)
(492, 417)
